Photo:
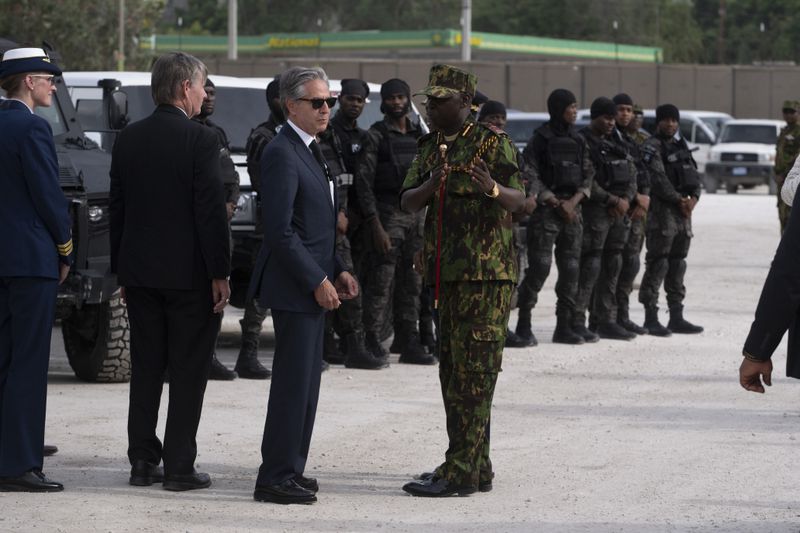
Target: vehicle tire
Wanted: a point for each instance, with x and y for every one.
(731, 188)
(711, 183)
(97, 341)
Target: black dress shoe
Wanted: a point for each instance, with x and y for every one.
(308, 483)
(49, 450)
(144, 473)
(195, 480)
(31, 481)
(437, 487)
(483, 485)
(285, 493)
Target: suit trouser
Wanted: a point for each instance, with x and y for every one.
(27, 308)
(293, 395)
(171, 330)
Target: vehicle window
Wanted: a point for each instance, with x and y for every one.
(51, 114)
(686, 130)
(749, 133)
(700, 136)
(521, 131)
(714, 124)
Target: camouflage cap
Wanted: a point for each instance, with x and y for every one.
(446, 80)
(791, 104)
(637, 109)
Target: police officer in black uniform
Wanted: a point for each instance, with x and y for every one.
(247, 364)
(393, 285)
(675, 192)
(230, 180)
(561, 173)
(341, 144)
(605, 225)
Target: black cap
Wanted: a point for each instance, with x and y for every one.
(623, 99)
(355, 87)
(603, 106)
(492, 107)
(209, 83)
(665, 111)
(479, 98)
(395, 86)
(558, 101)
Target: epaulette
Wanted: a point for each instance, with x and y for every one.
(494, 129)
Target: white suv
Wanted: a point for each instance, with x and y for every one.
(744, 156)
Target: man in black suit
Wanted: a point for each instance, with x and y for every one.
(171, 254)
(299, 277)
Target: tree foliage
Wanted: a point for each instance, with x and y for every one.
(85, 32)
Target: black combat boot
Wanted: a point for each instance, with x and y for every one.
(219, 372)
(427, 335)
(357, 355)
(624, 320)
(654, 327)
(375, 347)
(523, 330)
(677, 324)
(579, 327)
(247, 364)
(331, 353)
(563, 333)
(411, 350)
(613, 331)
(515, 341)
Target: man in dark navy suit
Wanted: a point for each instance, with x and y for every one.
(37, 244)
(171, 254)
(299, 277)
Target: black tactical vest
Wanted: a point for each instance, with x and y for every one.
(610, 159)
(562, 173)
(395, 154)
(642, 174)
(680, 166)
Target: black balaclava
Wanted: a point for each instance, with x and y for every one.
(558, 101)
(273, 92)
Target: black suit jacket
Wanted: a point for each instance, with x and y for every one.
(779, 306)
(299, 219)
(169, 227)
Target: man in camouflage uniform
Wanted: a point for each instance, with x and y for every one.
(230, 181)
(630, 134)
(675, 191)
(247, 365)
(341, 144)
(605, 225)
(466, 175)
(558, 166)
(787, 149)
(393, 285)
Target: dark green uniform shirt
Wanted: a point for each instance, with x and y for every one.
(477, 239)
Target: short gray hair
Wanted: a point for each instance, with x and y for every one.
(170, 71)
(293, 80)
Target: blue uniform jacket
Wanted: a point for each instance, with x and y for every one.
(35, 226)
(299, 218)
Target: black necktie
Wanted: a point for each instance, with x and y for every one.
(317, 151)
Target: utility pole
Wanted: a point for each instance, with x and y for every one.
(121, 53)
(466, 30)
(721, 33)
(233, 30)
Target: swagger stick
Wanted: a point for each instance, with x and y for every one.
(442, 185)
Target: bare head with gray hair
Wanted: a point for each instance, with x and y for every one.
(170, 71)
(293, 80)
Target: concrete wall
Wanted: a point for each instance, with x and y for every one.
(743, 91)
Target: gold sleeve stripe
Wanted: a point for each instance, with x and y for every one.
(65, 249)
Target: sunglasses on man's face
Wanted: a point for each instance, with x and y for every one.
(316, 103)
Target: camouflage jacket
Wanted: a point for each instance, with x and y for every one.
(787, 149)
(477, 240)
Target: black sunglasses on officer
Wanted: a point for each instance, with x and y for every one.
(316, 103)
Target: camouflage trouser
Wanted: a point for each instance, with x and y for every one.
(668, 238)
(597, 224)
(604, 298)
(630, 265)
(520, 233)
(393, 285)
(783, 211)
(472, 328)
(346, 319)
(545, 230)
(254, 315)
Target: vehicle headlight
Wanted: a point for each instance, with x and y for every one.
(245, 209)
(96, 213)
(767, 158)
(713, 157)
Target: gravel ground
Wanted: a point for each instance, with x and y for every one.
(643, 436)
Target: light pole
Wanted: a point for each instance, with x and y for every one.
(233, 30)
(121, 54)
(615, 25)
(180, 33)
